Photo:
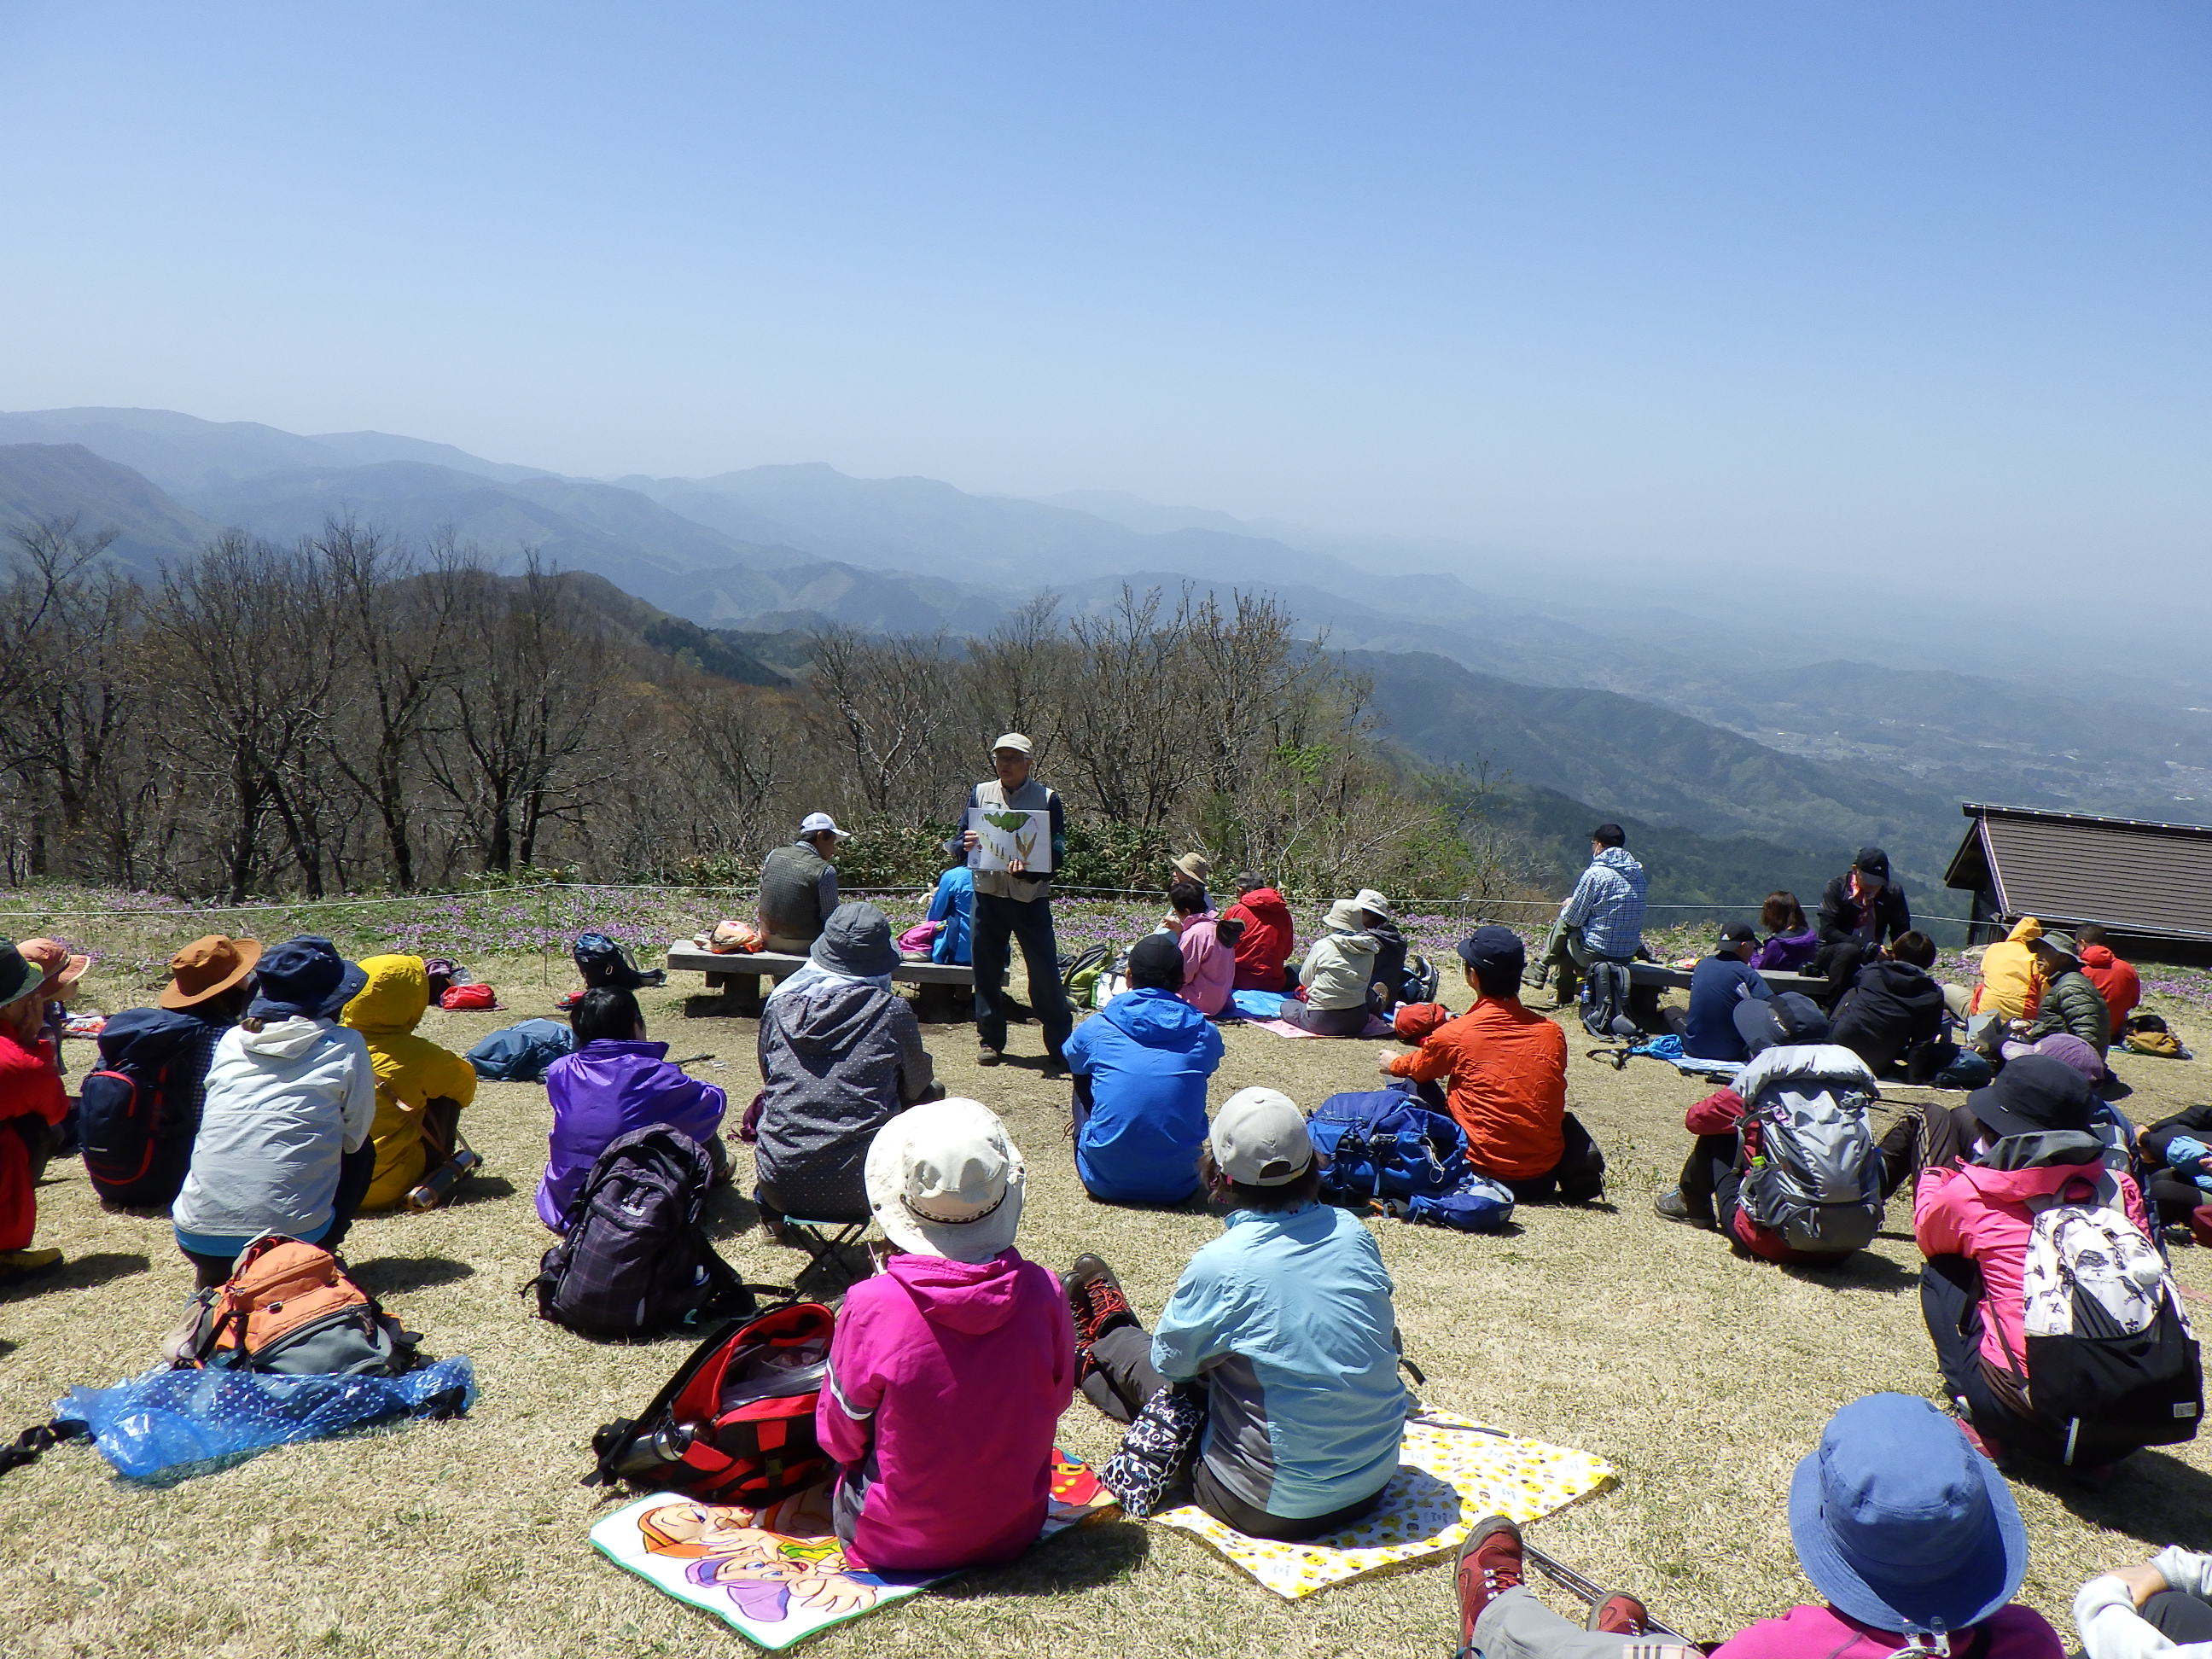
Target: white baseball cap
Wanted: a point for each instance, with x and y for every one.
(1259, 1139)
(815, 824)
(1013, 740)
(944, 1180)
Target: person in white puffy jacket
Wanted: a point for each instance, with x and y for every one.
(2163, 1605)
(284, 1141)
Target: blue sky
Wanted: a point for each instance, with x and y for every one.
(1900, 283)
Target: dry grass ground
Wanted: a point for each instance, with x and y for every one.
(1702, 1377)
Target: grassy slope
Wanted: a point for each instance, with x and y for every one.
(1702, 1377)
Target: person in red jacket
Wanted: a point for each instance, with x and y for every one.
(31, 1104)
(1508, 1069)
(1268, 937)
(2116, 981)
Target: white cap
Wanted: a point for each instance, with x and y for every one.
(815, 824)
(1013, 740)
(944, 1180)
(1368, 899)
(1259, 1139)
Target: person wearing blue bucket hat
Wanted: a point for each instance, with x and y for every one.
(284, 1144)
(1909, 1534)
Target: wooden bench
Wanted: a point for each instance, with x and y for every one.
(943, 992)
(1659, 974)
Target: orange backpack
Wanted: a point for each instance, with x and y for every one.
(290, 1308)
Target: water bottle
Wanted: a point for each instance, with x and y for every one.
(436, 1187)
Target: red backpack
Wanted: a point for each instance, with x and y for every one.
(735, 1425)
(461, 997)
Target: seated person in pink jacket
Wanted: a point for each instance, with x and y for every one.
(1973, 1218)
(1906, 1530)
(1209, 956)
(950, 1369)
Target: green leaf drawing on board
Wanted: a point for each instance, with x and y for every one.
(1009, 822)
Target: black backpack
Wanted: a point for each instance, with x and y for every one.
(135, 1114)
(634, 1260)
(1605, 1002)
(607, 966)
(1419, 981)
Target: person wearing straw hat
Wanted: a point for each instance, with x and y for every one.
(1285, 1319)
(1337, 976)
(950, 1369)
(1015, 904)
(32, 1106)
(1388, 976)
(1910, 1536)
(284, 1141)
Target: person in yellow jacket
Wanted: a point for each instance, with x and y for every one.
(414, 1077)
(2012, 975)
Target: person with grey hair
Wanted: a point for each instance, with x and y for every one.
(799, 885)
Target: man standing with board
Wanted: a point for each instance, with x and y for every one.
(1014, 900)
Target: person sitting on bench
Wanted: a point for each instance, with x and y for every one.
(1726, 1000)
(1861, 910)
(1286, 1323)
(2154, 1606)
(1908, 1534)
(841, 1055)
(799, 886)
(1508, 1090)
(1602, 919)
(1141, 1065)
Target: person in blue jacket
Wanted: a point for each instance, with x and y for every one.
(953, 904)
(1286, 1324)
(1141, 1065)
(1721, 986)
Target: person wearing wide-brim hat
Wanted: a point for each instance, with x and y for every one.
(2071, 1002)
(285, 1116)
(949, 1369)
(32, 1106)
(2036, 1141)
(1337, 976)
(1909, 1534)
(840, 1053)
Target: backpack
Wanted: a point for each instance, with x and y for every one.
(133, 1129)
(1812, 1172)
(2106, 1341)
(520, 1053)
(458, 997)
(1605, 1001)
(735, 1425)
(1419, 981)
(608, 966)
(634, 1260)
(1385, 1144)
(291, 1309)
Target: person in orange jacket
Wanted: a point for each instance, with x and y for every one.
(1507, 1089)
(32, 1105)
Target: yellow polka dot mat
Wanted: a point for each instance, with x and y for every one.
(1452, 1472)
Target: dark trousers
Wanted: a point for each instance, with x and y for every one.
(2180, 1617)
(1711, 1182)
(1324, 1022)
(1122, 1379)
(356, 1170)
(998, 921)
(1840, 961)
(1578, 1178)
(2175, 1195)
(1925, 1137)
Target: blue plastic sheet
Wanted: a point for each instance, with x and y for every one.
(159, 1425)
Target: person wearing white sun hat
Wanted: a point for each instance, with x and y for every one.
(1286, 1320)
(949, 1369)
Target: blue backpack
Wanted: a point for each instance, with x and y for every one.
(1385, 1146)
(520, 1054)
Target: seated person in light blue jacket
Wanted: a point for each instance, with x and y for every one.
(953, 904)
(1141, 1065)
(1285, 1319)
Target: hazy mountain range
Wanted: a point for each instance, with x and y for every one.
(1655, 709)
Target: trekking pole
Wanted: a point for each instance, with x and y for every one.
(1567, 1579)
(690, 1060)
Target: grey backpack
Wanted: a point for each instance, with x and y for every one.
(1812, 1172)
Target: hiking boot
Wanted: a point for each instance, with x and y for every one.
(1992, 1449)
(1096, 1299)
(21, 1264)
(1489, 1564)
(986, 1055)
(1055, 1065)
(1620, 1615)
(1671, 1206)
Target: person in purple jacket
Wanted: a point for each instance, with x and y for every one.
(1791, 941)
(616, 1081)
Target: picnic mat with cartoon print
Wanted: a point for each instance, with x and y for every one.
(1451, 1473)
(778, 1575)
